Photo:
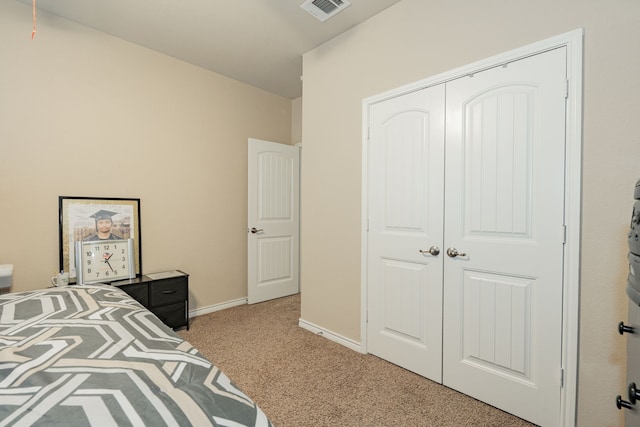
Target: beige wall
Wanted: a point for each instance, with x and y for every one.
(416, 39)
(86, 114)
(296, 120)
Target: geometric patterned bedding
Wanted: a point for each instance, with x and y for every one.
(91, 355)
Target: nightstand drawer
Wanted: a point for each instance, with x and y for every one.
(163, 292)
(138, 291)
(174, 315)
(167, 296)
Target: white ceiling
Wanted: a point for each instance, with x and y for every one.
(259, 42)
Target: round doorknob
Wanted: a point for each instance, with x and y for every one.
(433, 250)
(453, 252)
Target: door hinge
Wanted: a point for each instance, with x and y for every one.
(564, 234)
(561, 378)
(566, 88)
(367, 225)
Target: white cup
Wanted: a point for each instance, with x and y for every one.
(62, 279)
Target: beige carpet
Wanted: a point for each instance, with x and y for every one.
(300, 379)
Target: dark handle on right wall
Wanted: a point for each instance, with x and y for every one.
(622, 328)
(623, 403)
(634, 394)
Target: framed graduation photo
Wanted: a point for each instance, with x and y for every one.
(97, 219)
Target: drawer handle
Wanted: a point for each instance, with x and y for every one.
(634, 394)
(169, 291)
(622, 328)
(623, 403)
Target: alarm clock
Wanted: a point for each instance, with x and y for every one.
(103, 261)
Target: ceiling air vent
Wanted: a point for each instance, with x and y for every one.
(324, 9)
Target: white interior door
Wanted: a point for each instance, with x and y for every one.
(406, 149)
(504, 209)
(493, 312)
(273, 220)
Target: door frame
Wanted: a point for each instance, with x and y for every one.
(573, 41)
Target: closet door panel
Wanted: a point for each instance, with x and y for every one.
(406, 161)
(504, 214)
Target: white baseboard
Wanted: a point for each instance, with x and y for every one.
(217, 307)
(347, 342)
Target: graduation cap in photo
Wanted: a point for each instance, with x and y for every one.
(103, 214)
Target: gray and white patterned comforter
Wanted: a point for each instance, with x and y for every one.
(91, 355)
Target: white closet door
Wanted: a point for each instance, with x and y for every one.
(406, 164)
(504, 209)
(487, 321)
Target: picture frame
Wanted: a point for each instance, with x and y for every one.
(79, 218)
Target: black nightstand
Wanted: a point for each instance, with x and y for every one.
(165, 294)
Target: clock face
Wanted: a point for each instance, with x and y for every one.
(106, 261)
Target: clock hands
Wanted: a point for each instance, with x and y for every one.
(106, 260)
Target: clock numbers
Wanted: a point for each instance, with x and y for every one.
(105, 261)
(89, 259)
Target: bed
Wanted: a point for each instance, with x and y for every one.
(92, 355)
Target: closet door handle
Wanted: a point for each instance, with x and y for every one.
(453, 252)
(433, 250)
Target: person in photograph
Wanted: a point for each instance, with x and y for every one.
(104, 223)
